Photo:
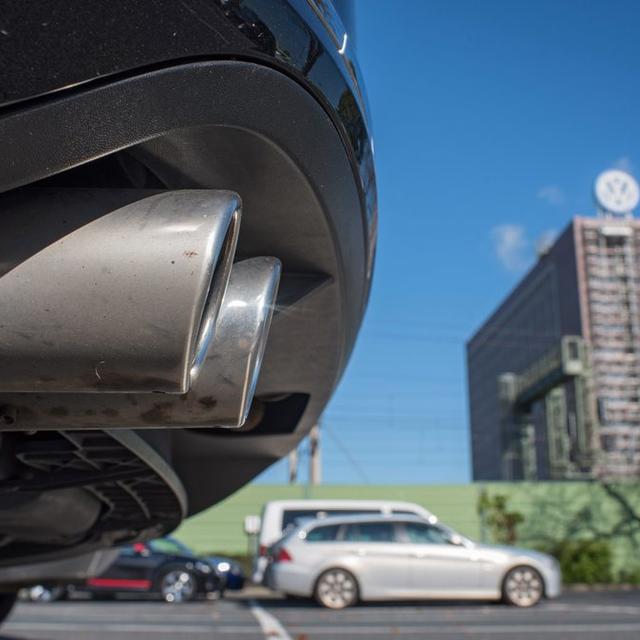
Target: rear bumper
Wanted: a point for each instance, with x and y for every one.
(290, 578)
(107, 42)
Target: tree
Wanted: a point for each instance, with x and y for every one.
(502, 523)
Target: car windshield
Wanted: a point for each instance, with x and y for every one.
(454, 537)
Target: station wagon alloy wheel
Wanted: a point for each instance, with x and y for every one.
(178, 586)
(523, 587)
(336, 589)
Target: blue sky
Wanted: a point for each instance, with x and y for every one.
(491, 121)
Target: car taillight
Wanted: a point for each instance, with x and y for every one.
(262, 550)
(283, 556)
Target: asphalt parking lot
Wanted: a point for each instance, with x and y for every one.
(588, 616)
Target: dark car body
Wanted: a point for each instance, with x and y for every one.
(100, 101)
(140, 567)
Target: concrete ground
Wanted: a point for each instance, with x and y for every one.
(258, 616)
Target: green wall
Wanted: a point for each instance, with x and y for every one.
(553, 511)
(221, 527)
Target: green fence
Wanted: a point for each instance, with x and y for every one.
(552, 511)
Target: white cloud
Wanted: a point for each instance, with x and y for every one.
(552, 194)
(511, 246)
(624, 164)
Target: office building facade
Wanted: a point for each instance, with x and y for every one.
(554, 373)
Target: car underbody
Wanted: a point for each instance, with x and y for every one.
(186, 248)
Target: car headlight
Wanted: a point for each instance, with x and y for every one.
(223, 567)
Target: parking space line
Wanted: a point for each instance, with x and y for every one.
(269, 624)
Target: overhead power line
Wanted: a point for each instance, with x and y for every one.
(354, 463)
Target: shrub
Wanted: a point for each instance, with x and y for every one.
(584, 561)
(630, 576)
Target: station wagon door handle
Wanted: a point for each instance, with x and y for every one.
(360, 552)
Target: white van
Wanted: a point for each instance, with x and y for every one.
(280, 515)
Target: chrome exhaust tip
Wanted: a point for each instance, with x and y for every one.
(124, 303)
(223, 385)
(231, 368)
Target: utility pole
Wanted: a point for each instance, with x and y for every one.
(293, 466)
(315, 462)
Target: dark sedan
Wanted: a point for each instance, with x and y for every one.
(164, 567)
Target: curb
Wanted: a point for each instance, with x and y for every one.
(584, 588)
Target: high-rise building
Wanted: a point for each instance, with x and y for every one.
(554, 373)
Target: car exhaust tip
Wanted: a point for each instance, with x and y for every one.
(223, 380)
(232, 366)
(215, 294)
(121, 302)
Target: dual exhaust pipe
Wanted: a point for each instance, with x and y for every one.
(135, 318)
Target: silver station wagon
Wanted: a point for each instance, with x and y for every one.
(342, 560)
